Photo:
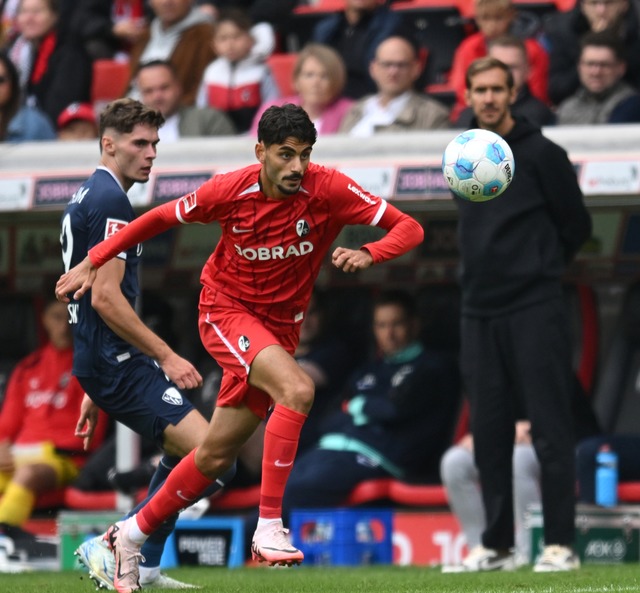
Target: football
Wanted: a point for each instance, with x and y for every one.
(478, 165)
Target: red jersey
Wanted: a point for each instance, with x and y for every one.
(271, 251)
(42, 402)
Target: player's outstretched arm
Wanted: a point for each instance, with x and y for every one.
(80, 278)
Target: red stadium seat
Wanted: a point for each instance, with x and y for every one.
(110, 80)
(281, 65)
(629, 492)
(320, 6)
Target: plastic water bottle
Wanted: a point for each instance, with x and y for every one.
(606, 477)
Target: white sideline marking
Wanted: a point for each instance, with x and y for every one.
(602, 589)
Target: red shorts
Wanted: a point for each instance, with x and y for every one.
(233, 336)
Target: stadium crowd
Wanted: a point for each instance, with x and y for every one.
(237, 58)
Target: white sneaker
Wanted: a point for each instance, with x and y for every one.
(166, 582)
(271, 544)
(557, 559)
(94, 554)
(482, 559)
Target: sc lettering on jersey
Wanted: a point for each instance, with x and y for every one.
(73, 308)
(278, 252)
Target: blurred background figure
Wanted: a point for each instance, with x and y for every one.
(563, 31)
(461, 479)
(326, 359)
(495, 18)
(19, 123)
(355, 33)
(78, 122)
(54, 68)
(397, 106)
(276, 13)
(319, 77)
(603, 96)
(110, 28)
(238, 81)
(396, 419)
(159, 88)
(511, 50)
(38, 449)
(181, 34)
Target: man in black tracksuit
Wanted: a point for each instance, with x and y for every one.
(516, 347)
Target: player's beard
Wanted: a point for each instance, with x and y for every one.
(287, 190)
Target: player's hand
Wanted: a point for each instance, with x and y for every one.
(87, 421)
(351, 260)
(79, 278)
(181, 371)
(6, 458)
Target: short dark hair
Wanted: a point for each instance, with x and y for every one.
(281, 122)
(485, 64)
(124, 114)
(606, 39)
(508, 41)
(158, 63)
(237, 16)
(399, 298)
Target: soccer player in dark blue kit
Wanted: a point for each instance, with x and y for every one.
(125, 368)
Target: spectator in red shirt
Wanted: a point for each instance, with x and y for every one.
(495, 18)
(38, 449)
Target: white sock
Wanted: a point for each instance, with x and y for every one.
(136, 535)
(262, 521)
(148, 574)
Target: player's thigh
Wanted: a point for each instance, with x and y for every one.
(277, 373)
(185, 436)
(141, 397)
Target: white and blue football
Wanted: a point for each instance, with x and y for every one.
(478, 165)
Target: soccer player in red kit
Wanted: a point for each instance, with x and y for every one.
(278, 219)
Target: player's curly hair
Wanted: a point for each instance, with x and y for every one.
(281, 122)
(124, 114)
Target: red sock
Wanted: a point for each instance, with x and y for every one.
(183, 485)
(280, 445)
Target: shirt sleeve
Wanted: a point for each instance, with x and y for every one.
(354, 205)
(404, 233)
(190, 208)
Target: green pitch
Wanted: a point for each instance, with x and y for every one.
(592, 579)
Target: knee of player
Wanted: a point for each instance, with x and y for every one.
(213, 463)
(299, 394)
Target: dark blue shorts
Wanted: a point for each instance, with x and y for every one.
(140, 396)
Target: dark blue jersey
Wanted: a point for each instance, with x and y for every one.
(96, 211)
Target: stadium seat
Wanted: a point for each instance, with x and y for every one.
(110, 81)
(281, 65)
(95, 501)
(320, 6)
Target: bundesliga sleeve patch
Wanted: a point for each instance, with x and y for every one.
(189, 202)
(113, 226)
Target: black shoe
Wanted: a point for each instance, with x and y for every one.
(27, 546)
